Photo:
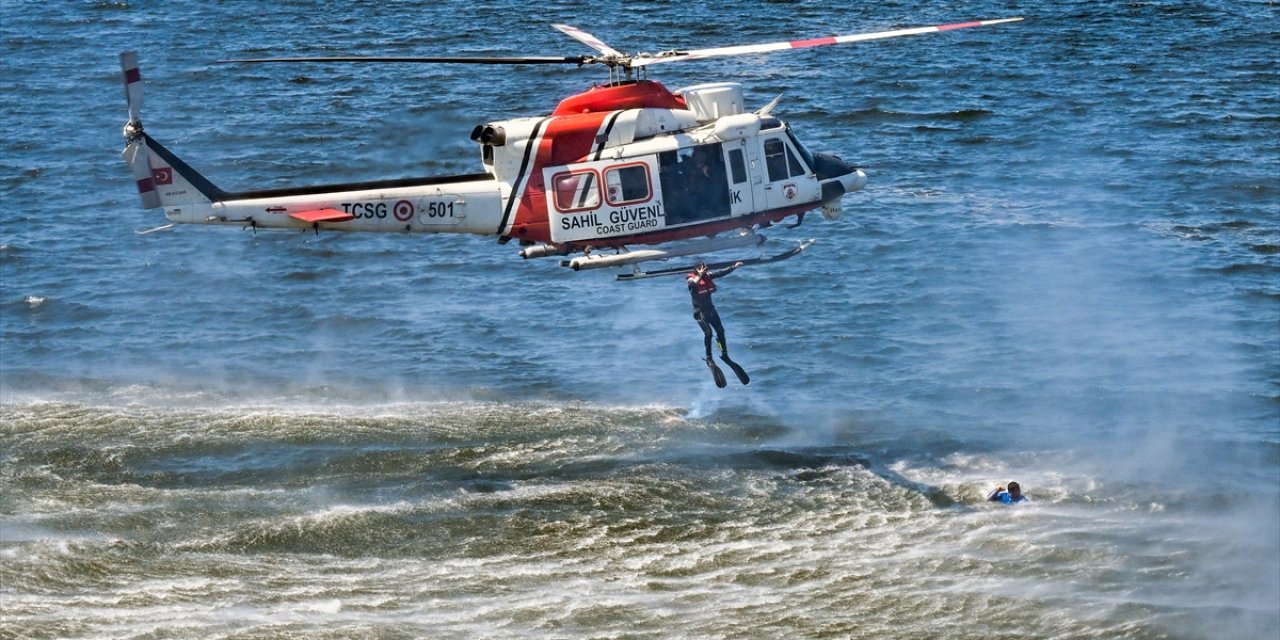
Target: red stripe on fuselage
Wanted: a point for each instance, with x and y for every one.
(565, 140)
(145, 185)
(132, 75)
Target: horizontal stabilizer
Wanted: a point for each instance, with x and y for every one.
(322, 215)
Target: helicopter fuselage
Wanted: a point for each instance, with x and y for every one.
(614, 166)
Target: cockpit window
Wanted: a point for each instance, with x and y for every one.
(781, 161)
(797, 169)
(804, 153)
(775, 158)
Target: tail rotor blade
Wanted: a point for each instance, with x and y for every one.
(139, 158)
(132, 83)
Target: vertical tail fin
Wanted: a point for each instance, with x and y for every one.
(163, 180)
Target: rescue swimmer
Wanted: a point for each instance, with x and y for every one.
(702, 283)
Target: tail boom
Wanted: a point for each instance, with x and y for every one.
(449, 204)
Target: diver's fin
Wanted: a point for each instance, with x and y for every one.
(716, 373)
(737, 369)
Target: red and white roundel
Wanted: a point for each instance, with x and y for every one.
(403, 210)
(789, 190)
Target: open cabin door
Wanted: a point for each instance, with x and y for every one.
(695, 185)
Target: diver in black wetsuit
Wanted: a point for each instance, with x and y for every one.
(701, 285)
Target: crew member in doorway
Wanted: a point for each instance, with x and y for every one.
(1012, 496)
(707, 187)
(702, 283)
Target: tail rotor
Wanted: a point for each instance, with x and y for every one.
(135, 150)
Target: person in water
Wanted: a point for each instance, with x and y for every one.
(702, 283)
(1012, 496)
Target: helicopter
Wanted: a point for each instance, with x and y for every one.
(623, 173)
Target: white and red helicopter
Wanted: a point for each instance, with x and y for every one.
(622, 165)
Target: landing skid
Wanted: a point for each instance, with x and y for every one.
(637, 275)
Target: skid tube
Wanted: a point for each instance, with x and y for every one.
(673, 271)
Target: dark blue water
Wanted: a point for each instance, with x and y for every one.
(1065, 270)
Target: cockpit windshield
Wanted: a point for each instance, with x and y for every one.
(804, 153)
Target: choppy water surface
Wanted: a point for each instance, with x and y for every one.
(1064, 271)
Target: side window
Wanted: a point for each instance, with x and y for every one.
(576, 190)
(737, 166)
(627, 184)
(775, 159)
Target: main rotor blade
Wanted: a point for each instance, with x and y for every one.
(697, 54)
(589, 40)
(578, 60)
